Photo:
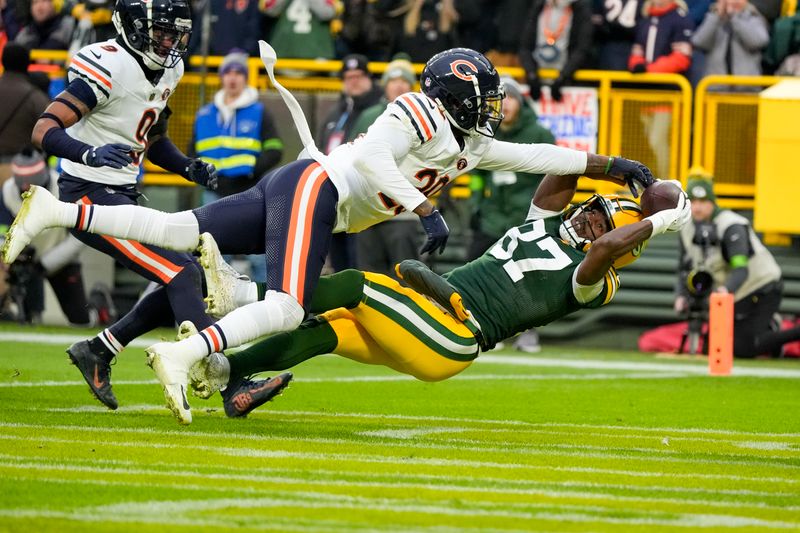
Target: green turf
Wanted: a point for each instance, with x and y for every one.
(568, 440)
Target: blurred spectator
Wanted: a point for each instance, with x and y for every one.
(733, 35)
(614, 24)
(557, 35)
(47, 29)
(302, 27)
(429, 27)
(478, 23)
(501, 199)
(94, 23)
(370, 27)
(52, 255)
(382, 246)
(722, 244)
(358, 93)
(663, 38)
(783, 51)
(662, 44)
(237, 134)
(234, 25)
(9, 23)
(22, 105)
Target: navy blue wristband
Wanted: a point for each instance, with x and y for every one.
(166, 155)
(57, 142)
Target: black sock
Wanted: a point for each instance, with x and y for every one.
(186, 297)
(152, 311)
(97, 347)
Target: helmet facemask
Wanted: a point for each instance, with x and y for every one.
(616, 211)
(161, 42)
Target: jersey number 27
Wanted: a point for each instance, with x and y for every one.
(550, 256)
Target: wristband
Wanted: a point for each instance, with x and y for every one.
(609, 164)
(658, 222)
(57, 142)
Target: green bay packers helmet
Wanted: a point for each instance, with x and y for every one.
(617, 210)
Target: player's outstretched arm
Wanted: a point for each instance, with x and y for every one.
(65, 110)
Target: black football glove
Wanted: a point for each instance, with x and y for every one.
(437, 231)
(633, 172)
(116, 155)
(201, 173)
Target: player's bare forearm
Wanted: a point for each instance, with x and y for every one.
(609, 247)
(555, 192)
(424, 209)
(596, 169)
(64, 117)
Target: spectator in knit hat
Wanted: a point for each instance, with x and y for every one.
(237, 135)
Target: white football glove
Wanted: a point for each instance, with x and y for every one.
(672, 219)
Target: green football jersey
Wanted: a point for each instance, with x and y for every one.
(524, 280)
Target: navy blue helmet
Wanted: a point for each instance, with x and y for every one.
(157, 30)
(467, 89)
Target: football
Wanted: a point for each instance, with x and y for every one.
(659, 196)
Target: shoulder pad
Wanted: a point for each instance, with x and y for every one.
(97, 63)
(421, 112)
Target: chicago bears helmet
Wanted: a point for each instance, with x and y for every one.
(466, 87)
(618, 211)
(157, 30)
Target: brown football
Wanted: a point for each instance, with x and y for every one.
(659, 196)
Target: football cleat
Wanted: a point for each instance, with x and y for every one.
(186, 330)
(221, 278)
(245, 396)
(96, 371)
(209, 375)
(32, 219)
(174, 378)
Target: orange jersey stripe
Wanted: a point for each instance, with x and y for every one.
(287, 261)
(117, 243)
(413, 105)
(312, 200)
(94, 73)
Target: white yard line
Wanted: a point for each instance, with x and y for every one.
(482, 480)
(562, 450)
(180, 511)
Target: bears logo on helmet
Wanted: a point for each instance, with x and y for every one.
(466, 87)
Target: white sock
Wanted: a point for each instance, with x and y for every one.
(246, 292)
(110, 341)
(175, 231)
(277, 312)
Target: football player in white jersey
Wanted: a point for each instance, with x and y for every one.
(421, 142)
(113, 111)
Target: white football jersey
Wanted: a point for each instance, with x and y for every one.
(414, 137)
(127, 107)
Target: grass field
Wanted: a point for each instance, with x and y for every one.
(568, 440)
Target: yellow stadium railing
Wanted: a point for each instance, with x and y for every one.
(725, 127)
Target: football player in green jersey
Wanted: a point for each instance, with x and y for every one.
(560, 260)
